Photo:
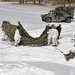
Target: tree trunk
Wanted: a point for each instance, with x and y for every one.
(34, 1)
(39, 2)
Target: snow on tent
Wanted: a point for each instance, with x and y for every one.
(26, 39)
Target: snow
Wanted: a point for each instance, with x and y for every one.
(29, 60)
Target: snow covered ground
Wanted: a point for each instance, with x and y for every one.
(27, 60)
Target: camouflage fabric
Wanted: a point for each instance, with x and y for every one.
(26, 39)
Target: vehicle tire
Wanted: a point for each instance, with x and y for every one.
(68, 20)
(48, 20)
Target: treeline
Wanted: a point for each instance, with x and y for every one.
(26, 1)
(33, 1)
(64, 2)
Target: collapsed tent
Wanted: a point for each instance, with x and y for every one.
(26, 39)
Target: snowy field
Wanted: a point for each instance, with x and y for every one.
(27, 60)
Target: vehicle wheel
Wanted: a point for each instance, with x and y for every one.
(68, 20)
(48, 20)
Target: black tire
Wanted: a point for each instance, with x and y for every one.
(68, 20)
(48, 20)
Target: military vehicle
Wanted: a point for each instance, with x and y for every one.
(64, 14)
